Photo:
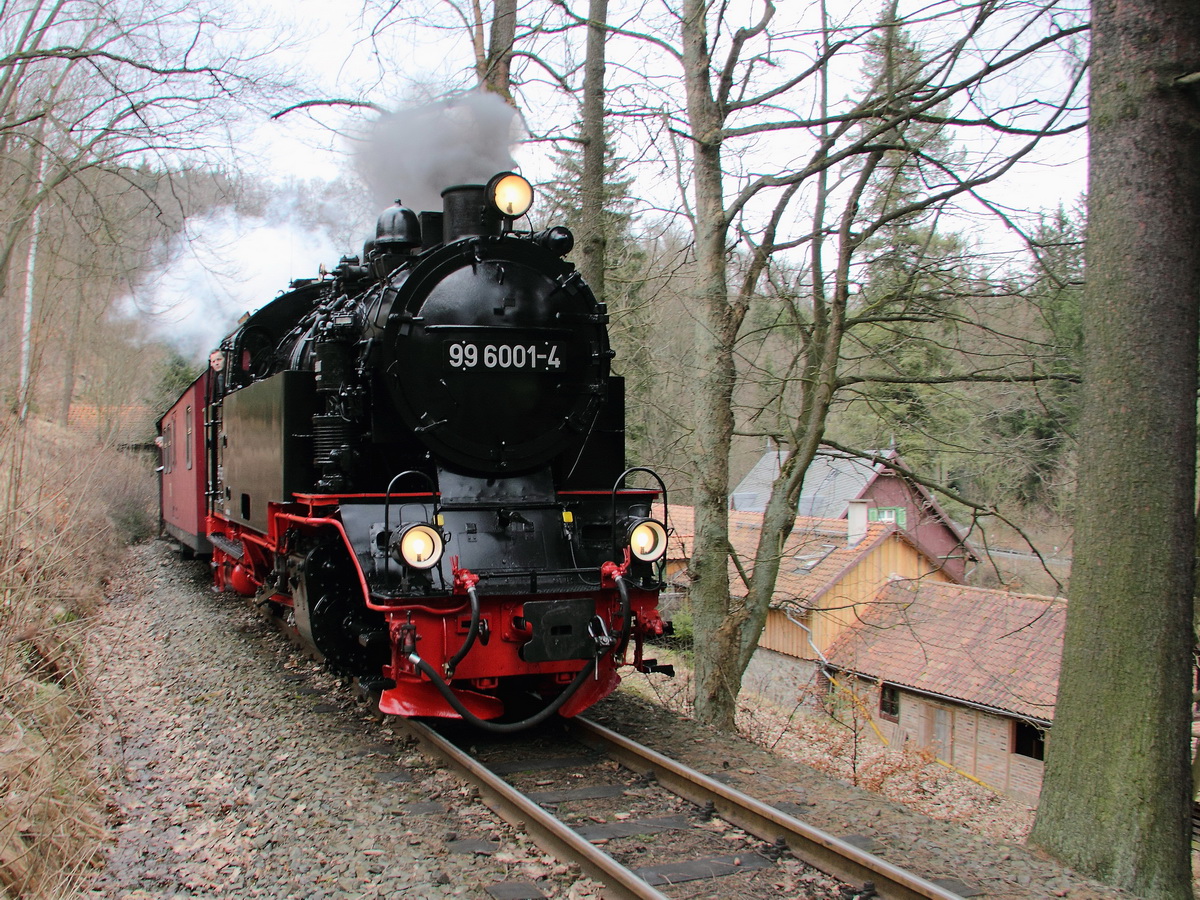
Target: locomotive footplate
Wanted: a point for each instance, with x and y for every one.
(560, 629)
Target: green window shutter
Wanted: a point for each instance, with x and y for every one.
(896, 515)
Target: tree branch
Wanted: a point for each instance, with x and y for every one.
(308, 104)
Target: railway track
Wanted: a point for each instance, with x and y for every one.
(587, 746)
(640, 823)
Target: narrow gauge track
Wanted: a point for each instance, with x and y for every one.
(592, 748)
(863, 874)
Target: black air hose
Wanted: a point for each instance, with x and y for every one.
(472, 634)
(501, 727)
(626, 629)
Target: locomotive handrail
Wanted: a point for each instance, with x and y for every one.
(616, 488)
(491, 329)
(487, 574)
(470, 505)
(387, 505)
(336, 525)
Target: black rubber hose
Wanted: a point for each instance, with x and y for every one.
(502, 727)
(472, 634)
(626, 611)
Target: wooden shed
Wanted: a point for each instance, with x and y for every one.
(970, 673)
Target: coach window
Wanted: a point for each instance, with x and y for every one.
(187, 446)
(168, 448)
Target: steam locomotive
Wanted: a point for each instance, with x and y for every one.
(417, 460)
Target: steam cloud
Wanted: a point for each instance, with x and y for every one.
(414, 154)
(228, 264)
(224, 266)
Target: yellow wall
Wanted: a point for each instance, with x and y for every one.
(974, 743)
(839, 606)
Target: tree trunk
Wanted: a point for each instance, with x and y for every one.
(592, 238)
(70, 356)
(717, 681)
(495, 71)
(1115, 803)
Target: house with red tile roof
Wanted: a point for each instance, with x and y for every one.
(835, 478)
(829, 574)
(971, 673)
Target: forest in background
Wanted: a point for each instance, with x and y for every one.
(115, 161)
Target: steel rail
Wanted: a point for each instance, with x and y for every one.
(809, 844)
(547, 831)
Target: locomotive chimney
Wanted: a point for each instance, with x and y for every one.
(468, 214)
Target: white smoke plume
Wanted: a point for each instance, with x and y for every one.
(414, 154)
(225, 266)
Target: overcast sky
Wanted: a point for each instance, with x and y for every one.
(231, 265)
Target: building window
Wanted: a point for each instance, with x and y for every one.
(889, 703)
(895, 515)
(1028, 740)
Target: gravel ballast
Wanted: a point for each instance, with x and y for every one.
(236, 767)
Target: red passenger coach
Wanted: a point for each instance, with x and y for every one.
(184, 468)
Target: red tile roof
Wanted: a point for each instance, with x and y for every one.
(815, 555)
(986, 647)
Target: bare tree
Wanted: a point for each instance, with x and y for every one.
(730, 100)
(85, 88)
(491, 30)
(592, 193)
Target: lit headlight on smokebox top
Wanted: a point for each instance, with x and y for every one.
(647, 540)
(511, 194)
(419, 546)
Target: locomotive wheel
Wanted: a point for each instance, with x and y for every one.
(352, 638)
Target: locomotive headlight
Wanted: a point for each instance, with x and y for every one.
(648, 540)
(420, 546)
(511, 194)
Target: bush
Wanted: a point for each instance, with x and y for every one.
(685, 635)
(67, 507)
(132, 504)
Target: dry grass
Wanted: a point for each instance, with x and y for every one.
(66, 508)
